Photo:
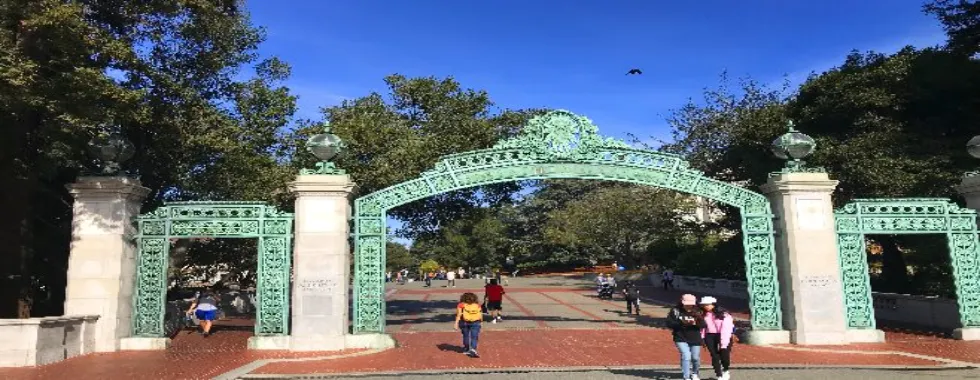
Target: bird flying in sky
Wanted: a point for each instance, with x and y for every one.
(634, 72)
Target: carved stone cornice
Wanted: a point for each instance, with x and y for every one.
(108, 188)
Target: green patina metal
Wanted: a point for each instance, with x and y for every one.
(560, 144)
(179, 220)
(794, 146)
(325, 146)
(906, 216)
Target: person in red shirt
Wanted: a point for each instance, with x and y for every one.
(493, 298)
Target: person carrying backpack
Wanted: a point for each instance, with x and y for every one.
(469, 318)
(632, 294)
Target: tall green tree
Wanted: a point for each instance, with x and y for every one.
(398, 257)
(961, 20)
(620, 223)
(165, 72)
(395, 137)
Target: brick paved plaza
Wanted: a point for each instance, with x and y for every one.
(550, 322)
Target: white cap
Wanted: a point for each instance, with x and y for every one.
(708, 300)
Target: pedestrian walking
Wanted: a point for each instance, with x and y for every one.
(450, 279)
(632, 295)
(469, 318)
(205, 309)
(668, 279)
(718, 336)
(494, 297)
(686, 322)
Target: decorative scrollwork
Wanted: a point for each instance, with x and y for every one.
(561, 145)
(861, 217)
(272, 227)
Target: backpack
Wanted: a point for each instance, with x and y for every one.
(633, 293)
(472, 312)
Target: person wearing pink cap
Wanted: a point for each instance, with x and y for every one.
(717, 334)
(686, 322)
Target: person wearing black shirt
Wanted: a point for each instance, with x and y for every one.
(686, 322)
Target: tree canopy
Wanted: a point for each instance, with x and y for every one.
(211, 119)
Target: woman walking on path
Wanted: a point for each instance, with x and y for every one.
(469, 318)
(717, 334)
(686, 322)
(205, 308)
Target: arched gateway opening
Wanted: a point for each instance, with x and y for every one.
(560, 145)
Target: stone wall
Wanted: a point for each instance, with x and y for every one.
(899, 309)
(38, 341)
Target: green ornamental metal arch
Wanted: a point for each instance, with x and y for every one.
(560, 144)
(861, 217)
(181, 220)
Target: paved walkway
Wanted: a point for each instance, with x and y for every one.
(549, 323)
(662, 373)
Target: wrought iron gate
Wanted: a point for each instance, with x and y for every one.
(906, 216)
(255, 220)
(560, 144)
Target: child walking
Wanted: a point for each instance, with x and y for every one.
(469, 317)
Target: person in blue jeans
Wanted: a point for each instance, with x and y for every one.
(686, 322)
(205, 308)
(469, 318)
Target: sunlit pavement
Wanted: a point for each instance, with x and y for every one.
(550, 322)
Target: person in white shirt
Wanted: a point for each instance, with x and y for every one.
(450, 279)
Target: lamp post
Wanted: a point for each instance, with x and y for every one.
(111, 150)
(794, 146)
(325, 146)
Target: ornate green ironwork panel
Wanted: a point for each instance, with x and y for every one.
(177, 220)
(906, 216)
(560, 144)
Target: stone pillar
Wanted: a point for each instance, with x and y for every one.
(321, 262)
(102, 263)
(812, 295)
(969, 188)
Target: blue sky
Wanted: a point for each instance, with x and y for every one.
(574, 54)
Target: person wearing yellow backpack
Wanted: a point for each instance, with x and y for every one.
(469, 318)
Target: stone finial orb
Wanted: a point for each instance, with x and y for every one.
(112, 150)
(325, 146)
(973, 147)
(793, 145)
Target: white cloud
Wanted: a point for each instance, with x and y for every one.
(312, 98)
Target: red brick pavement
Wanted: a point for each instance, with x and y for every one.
(561, 348)
(194, 357)
(191, 356)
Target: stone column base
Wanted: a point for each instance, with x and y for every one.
(766, 337)
(967, 333)
(865, 336)
(818, 338)
(276, 342)
(317, 343)
(371, 341)
(143, 344)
